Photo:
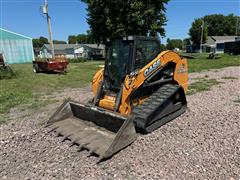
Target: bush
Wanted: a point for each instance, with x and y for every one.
(40, 59)
(77, 60)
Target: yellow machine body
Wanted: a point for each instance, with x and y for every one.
(131, 83)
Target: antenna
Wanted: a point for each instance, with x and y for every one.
(45, 12)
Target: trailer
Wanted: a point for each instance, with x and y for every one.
(58, 65)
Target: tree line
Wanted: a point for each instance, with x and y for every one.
(210, 25)
(39, 42)
(214, 25)
(81, 38)
(107, 18)
(139, 17)
(72, 39)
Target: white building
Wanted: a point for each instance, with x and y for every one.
(216, 43)
(88, 51)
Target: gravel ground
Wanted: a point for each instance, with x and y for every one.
(203, 143)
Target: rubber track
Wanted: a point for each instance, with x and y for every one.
(142, 112)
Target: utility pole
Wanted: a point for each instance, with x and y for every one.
(45, 11)
(237, 26)
(202, 36)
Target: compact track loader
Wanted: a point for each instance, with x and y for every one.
(139, 89)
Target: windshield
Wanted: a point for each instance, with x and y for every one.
(118, 57)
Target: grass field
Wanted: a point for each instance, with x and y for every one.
(26, 87)
(202, 85)
(200, 62)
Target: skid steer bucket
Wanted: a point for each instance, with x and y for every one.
(101, 132)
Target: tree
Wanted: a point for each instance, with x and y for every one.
(39, 42)
(215, 25)
(195, 32)
(90, 37)
(163, 47)
(186, 42)
(81, 38)
(59, 42)
(220, 25)
(125, 17)
(72, 39)
(174, 43)
(35, 43)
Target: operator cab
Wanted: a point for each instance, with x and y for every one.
(127, 54)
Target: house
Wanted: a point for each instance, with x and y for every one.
(36, 51)
(216, 43)
(192, 48)
(88, 51)
(16, 48)
(59, 50)
(232, 47)
(213, 44)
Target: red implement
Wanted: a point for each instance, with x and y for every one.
(50, 65)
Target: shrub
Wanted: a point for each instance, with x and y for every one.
(77, 60)
(6, 73)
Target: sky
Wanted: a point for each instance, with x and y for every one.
(69, 16)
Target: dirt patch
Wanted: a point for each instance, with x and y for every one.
(203, 143)
(217, 74)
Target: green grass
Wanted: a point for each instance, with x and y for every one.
(3, 119)
(229, 77)
(201, 62)
(22, 86)
(202, 85)
(27, 87)
(6, 73)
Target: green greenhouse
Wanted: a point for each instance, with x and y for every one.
(15, 48)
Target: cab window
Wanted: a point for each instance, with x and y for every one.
(146, 51)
